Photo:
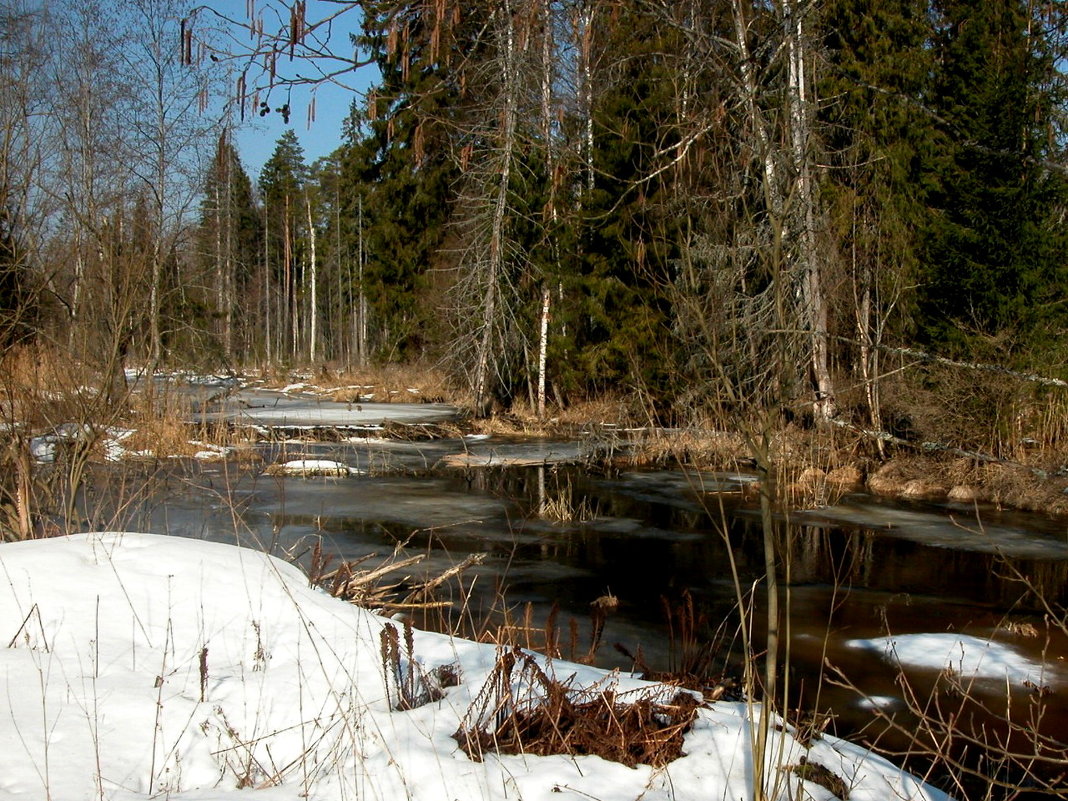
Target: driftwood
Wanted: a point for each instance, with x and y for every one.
(367, 588)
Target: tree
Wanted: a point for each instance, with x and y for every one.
(994, 245)
(878, 138)
(167, 138)
(229, 244)
(22, 151)
(399, 173)
(282, 182)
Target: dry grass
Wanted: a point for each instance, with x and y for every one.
(700, 449)
(386, 384)
(549, 717)
(562, 507)
(969, 481)
(162, 428)
(41, 387)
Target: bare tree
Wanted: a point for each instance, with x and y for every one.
(170, 135)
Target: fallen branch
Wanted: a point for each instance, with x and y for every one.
(886, 436)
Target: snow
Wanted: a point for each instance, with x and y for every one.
(964, 654)
(313, 467)
(144, 665)
(43, 447)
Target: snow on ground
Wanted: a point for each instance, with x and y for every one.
(964, 654)
(43, 447)
(312, 467)
(142, 665)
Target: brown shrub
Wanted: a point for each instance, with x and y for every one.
(638, 728)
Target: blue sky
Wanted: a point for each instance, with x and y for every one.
(256, 140)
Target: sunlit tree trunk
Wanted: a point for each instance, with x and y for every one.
(313, 269)
(814, 303)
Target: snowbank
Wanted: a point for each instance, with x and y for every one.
(142, 664)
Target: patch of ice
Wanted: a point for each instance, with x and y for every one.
(963, 654)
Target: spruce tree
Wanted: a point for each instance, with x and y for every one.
(281, 191)
(627, 231)
(399, 169)
(229, 246)
(995, 247)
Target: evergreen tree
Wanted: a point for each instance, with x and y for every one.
(229, 246)
(878, 138)
(399, 171)
(281, 186)
(628, 229)
(994, 244)
(18, 311)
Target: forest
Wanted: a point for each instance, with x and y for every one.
(847, 210)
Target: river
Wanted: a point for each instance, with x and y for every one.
(852, 573)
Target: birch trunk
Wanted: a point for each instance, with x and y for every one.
(267, 280)
(586, 87)
(361, 310)
(314, 300)
(543, 341)
(228, 263)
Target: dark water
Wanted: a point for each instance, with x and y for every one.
(862, 569)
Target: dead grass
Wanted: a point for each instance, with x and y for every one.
(162, 428)
(41, 387)
(386, 384)
(969, 481)
(701, 449)
(548, 717)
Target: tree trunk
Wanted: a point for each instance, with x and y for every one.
(814, 304)
(484, 359)
(543, 341)
(314, 300)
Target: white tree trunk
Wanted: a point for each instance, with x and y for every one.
(814, 303)
(543, 342)
(314, 300)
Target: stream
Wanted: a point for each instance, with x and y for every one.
(857, 571)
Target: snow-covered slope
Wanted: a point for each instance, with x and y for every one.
(143, 665)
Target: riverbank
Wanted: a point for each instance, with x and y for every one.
(162, 665)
